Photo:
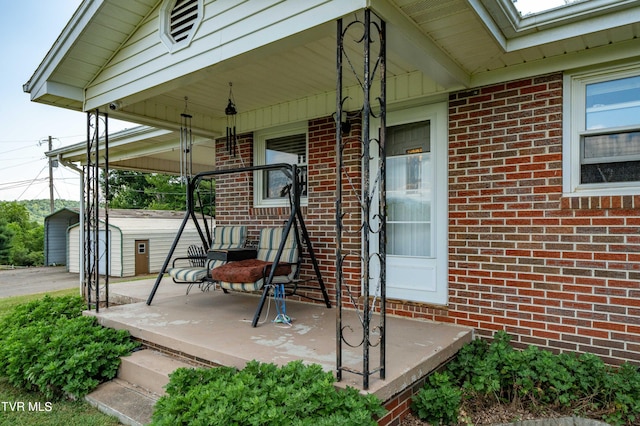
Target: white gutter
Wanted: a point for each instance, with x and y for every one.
(81, 237)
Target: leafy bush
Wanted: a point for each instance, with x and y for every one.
(568, 383)
(47, 345)
(439, 402)
(262, 394)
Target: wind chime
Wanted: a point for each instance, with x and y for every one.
(230, 111)
(186, 144)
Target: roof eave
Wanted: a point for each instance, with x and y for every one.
(38, 85)
(514, 32)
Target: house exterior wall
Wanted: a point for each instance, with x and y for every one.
(554, 271)
(234, 200)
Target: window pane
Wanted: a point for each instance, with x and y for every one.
(610, 158)
(409, 239)
(290, 149)
(614, 147)
(409, 178)
(626, 171)
(614, 103)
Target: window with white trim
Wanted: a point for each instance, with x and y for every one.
(602, 132)
(287, 144)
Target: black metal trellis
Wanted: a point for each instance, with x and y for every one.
(371, 197)
(92, 243)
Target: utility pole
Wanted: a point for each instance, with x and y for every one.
(50, 179)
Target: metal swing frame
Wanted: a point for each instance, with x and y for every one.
(294, 223)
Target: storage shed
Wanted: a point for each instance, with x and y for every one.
(56, 226)
(139, 241)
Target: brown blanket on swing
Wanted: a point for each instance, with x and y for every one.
(247, 271)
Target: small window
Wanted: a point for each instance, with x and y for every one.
(284, 145)
(602, 147)
(179, 20)
(142, 248)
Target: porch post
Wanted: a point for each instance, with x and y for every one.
(369, 191)
(90, 236)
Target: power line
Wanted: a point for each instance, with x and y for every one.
(20, 196)
(19, 184)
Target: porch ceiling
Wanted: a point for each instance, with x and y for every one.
(450, 44)
(144, 149)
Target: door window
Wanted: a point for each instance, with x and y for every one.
(409, 177)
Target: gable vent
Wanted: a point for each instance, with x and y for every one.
(183, 18)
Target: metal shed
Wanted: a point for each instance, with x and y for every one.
(56, 226)
(139, 241)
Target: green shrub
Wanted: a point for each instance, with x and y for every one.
(538, 379)
(262, 394)
(47, 345)
(439, 401)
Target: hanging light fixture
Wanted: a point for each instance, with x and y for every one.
(186, 144)
(230, 111)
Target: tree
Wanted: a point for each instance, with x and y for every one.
(135, 190)
(13, 212)
(126, 189)
(5, 243)
(21, 240)
(166, 192)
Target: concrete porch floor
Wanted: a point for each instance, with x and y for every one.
(216, 327)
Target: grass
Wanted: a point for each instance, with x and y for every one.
(8, 303)
(42, 412)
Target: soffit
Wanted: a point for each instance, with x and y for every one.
(468, 38)
(96, 31)
(144, 149)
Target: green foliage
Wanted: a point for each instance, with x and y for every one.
(39, 209)
(439, 401)
(6, 235)
(21, 239)
(48, 346)
(568, 383)
(165, 192)
(152, 191)
(136, 190)
(126, 189)
(14, 212)
(262, 394)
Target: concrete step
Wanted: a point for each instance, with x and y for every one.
(132, 405)
(139, 384)
(148, 369)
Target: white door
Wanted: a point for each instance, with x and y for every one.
(416, 184)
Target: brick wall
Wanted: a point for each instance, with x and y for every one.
(554, 271)
(551, 270)
(234, 197)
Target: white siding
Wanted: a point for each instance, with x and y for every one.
(229, 29)
(125, 231)
(73, 250)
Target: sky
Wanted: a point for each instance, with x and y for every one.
(28, 29)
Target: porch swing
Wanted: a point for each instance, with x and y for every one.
(278, 255)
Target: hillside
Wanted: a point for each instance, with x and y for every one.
(39, 209)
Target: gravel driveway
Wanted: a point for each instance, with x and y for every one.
(17, 282)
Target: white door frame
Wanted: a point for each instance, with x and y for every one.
(404, 274)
